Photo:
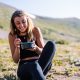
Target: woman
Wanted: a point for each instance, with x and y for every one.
(34, 62)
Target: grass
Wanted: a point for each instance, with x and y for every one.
(7, 66)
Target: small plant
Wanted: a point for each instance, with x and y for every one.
(61, 42)
(1, 27)
(58, 62)
(10, 77)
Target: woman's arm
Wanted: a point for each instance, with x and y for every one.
(15, 50)
(39, 40)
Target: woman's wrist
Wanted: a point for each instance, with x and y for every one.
(38, 50)
(17, 49)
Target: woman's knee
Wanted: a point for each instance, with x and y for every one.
(50, 46)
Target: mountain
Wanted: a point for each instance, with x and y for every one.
(59, 28)
(52, 28)
(5, 14)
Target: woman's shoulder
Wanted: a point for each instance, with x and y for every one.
(36, 29)
(11, 35)
(37, 32)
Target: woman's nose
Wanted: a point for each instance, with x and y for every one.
(21, 24)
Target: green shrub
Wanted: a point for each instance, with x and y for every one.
(1, 27)
(61, 42)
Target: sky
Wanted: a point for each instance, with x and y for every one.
(48, 8)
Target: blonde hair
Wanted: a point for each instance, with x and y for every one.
(14, 30)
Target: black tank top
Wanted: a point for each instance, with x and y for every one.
(26, 53)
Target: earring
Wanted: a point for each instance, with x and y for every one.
(15, 29)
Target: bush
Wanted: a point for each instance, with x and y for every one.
(1, 27)
(61, 42)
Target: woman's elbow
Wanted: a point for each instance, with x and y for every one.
(15, 60)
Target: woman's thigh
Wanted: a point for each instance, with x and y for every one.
(23, 72)
(37, 72)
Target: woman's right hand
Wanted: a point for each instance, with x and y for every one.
(17, 42)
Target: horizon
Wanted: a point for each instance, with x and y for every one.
(62, 9)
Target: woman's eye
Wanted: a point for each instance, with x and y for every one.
(17, 23)
(23, 21)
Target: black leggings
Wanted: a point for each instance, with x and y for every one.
(37, 69)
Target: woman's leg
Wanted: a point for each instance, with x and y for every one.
(23, 71)
(37, 73)
(47, 68)
(30, 71)
(47, 55)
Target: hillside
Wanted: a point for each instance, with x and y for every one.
(5, 14)
(67, 28)
(52, 28)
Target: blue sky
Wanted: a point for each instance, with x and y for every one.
(49, 8)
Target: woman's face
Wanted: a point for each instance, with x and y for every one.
(21, 23)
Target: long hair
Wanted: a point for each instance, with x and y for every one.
(14, 30)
